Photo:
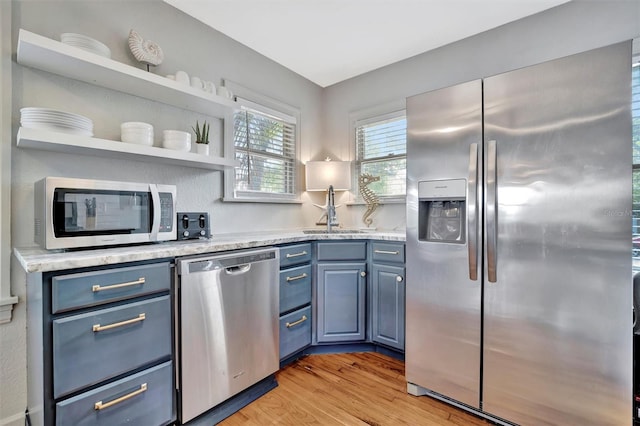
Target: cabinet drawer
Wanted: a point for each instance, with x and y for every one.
(352, 250)
(125, 337)
(97, 287)
(295, 331)
(295, 255)
(387, 252)
(295, 287)
(145, 398)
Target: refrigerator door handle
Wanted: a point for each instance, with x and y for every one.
(472, 215)
(492, 226)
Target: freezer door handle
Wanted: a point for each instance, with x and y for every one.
(492, 214)
(472, 215)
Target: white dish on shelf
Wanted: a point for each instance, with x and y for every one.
(136, 125)
(176, 140)
(86, 43)
(58, 129)
(60, 121)
(137, 132)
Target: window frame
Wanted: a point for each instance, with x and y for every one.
(261, 103)
(367, 116)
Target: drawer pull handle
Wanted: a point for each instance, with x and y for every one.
(386, 252)
(300, 321)
(101, 406)
(98, 327)
(297, 277)
(302, 253)
(399, 278)
(97, 288)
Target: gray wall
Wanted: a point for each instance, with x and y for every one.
(574, 27)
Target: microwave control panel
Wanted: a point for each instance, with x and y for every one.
(166, 212)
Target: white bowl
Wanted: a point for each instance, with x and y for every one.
(177, 140)
(136, 125)
(137, 137)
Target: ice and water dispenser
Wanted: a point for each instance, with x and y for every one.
(441, 211)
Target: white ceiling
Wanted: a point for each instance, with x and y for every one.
(328, 41)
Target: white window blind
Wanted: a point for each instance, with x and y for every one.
(381, 150)
(265, 146)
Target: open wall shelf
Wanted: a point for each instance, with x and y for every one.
(84, 145)
(56, 57)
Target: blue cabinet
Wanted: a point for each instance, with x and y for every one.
(93, 346)
(144, 398)
(295, 299)
(387, 281)
(101, 346)
(341, 302)
(340, 290)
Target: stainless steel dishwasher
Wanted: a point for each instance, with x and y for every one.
(228, 325)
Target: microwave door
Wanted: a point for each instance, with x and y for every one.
(156, 215)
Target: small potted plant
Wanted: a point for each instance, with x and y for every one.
(202, 138)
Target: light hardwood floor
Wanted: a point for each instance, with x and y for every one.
(347, 389)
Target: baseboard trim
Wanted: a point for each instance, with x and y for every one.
(15, 420)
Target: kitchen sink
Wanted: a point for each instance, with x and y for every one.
(333, 231)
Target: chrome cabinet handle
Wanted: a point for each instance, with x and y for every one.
(101, 406)
(297, 277)
(97, 288)
(399, 278)
(386, 252)
(300, 321)
(290, 255)
(492, 228)
(472, 216)
(363, 274)
(98, 327)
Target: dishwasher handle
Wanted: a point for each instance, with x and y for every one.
(238, 270)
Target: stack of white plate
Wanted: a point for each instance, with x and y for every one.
(137, 132)
(57, 121)
(85, 43)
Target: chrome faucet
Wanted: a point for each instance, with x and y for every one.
(332, 219)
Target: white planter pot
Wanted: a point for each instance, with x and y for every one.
(202, 148)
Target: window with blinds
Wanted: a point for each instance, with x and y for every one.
(265, 146)
(381, 150)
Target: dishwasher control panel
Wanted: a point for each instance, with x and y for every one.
(193, 225)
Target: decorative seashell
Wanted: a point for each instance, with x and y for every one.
(145, 50)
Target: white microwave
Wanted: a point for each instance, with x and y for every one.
(72, 213)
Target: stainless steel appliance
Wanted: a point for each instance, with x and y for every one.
(518, 242)
(72, 213)
(229, 333)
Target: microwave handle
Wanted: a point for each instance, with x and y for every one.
(155, 203)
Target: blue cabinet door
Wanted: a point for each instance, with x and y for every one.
(341, 302)
(388, 310)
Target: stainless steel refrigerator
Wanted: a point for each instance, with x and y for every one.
(519, 299)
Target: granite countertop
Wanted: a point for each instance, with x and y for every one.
(35, 259)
